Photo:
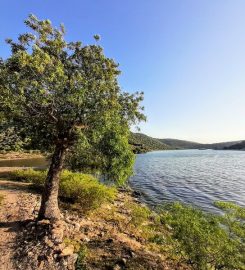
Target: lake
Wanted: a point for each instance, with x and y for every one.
(40, 163)
(198, 177)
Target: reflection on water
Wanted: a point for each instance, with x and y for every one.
(191, 176)
(29, 162)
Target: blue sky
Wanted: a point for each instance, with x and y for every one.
(188, 56)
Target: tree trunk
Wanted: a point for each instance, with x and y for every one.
(49, 204)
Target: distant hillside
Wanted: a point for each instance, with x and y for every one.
(181, 144)
(237, 146)
(142, 143)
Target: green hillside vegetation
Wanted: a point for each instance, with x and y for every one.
(237, 146)
(181, 144)
(142, 143)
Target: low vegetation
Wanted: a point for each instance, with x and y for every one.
(142, 143)
(83, 190)
(206, 241)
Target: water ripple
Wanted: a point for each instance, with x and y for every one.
(191, 176)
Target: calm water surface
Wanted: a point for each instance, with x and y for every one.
(25, 162)
(199, 177)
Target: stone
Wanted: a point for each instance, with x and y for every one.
(48, 242)
(57, 235)
(43, 222)
(67, 251)
(117, 267)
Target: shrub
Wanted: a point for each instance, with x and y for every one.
(139, 214)
(82, 189)
(203, 240)
(35, 177)
(85, 190)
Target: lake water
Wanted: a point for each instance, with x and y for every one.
(25, 162)
(199, 177)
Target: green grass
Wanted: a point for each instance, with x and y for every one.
(84, 190)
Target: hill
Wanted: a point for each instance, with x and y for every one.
(237, 146)
(181, 144)
(142, 143)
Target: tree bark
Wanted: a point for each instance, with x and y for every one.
(49, 203)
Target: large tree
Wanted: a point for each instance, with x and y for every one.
(61, 93)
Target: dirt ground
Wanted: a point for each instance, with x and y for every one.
(17, 206)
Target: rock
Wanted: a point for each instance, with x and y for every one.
(30, 253)
(41, 264)
(77, 226)
(59, 247)
(57, 235)
(43, 222)
(58, 224)
(48, 242)
(136, 193)
(131, 253)
(30, 224)
(117, 267)
(123, 261)
(67, 251)
(110, 240)
(101, 234)
(71, 260)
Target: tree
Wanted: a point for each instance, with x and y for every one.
(110, 156)
(62, 92)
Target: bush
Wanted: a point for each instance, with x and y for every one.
(85, 190)
(203, 240)
(82, 189)
(37, 178)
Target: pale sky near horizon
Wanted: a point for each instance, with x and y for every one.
(188, 57)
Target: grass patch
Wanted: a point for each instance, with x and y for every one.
(83, 190)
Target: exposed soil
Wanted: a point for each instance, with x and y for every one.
(17, 207)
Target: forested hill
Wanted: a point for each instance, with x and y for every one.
(142, 143)
(181, 144)
(237, 146)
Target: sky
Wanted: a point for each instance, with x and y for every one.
(187, 56)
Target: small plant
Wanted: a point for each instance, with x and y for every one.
(76, 244)
(139, 214)
(82, 254)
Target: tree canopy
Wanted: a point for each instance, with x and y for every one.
(63, 93)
